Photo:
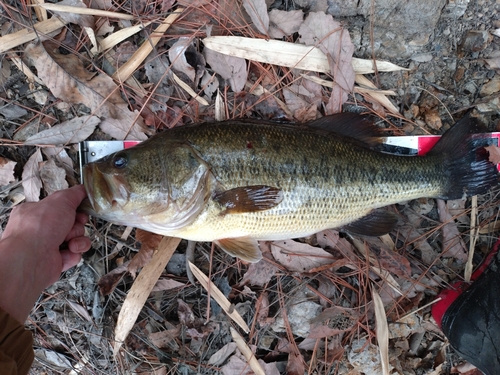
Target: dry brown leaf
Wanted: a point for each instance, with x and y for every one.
(166, 284)
(259, 273)
(61, 156)
(31, 177)
(257, 10)
(453, 245)
(53, 177)
(233, 69)
(219, 357)
(332, 321)
(493, 63)
(236, 365)
(382, 332)
(247, 352)
(141, 289)
(71, 17)
(319, 29)
(149, 243)
(387, 259)
(295, 364)
(282, 23)
(11, 111)
(494, 152)
(177, 56)
(302, 102)
(108, 282)
(164, 339)
(6, 171)
(67, 79)
(75, 130)
(300, 257)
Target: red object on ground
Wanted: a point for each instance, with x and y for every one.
(469, 315)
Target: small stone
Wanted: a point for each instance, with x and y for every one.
(433, 119)
(491, 107)
(422, 57)
(474, 41)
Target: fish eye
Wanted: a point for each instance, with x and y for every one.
(120, 160)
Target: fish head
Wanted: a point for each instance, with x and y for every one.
(150, 187)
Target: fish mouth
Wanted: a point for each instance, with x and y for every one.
(105, 192)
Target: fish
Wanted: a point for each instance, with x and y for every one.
(238, 182)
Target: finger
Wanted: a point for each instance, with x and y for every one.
(79, 244)
(81, 217)
(69, 259)
(78, 230)
(73, 196)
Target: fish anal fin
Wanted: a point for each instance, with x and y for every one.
(244, 248)
(249, 199)
(375, 224)
(351, 125)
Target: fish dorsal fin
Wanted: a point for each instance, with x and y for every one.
(349, 125)
(249, 199)
(244, 248)
(375, 224)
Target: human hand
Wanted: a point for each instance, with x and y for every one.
(30, 251)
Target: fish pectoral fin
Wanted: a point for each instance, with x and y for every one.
(375, 224)
(249, 199)
(244, 248)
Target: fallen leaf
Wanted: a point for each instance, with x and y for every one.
(494, 154)
(282, 23)
(233, 69)
(453, 245)
(493, 63)
(177, 56)
(320, 30)
(67, 79)
(332, 321)
(166, 284)
(157, 70)
(70, 17)
(257, 10)
(12, 111)
(75, 130)
(164, 339)
(185, 313)
(262, 306)
(259, 273)
(6, 171)
(61, 156)
(31, 177)
(108, 282)
(220, 356)
(149, 243)
(53, 177)
(287, 54)
(387, 259)
(300, 257)
(295, 364)
(382, 331)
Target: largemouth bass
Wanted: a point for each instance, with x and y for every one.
(239, 181)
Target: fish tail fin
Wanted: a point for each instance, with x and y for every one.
(467, 168)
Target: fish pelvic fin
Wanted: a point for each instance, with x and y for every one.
(244, 248)
(249, 199)
(469, 172)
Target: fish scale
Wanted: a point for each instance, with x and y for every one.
(324, 179)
